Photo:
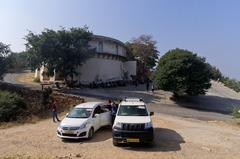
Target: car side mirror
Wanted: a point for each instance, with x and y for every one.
(67, 114)
(151, 113)
(96, 115)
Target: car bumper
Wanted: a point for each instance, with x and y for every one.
(74, 134)
(122, 136)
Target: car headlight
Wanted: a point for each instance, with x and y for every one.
(148, 125)
(84, 125)
(117, 125)
(60, 126)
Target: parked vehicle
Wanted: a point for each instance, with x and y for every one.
(83, 120)
(133, 123)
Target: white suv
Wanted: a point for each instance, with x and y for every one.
(132, 123)
(83, 120)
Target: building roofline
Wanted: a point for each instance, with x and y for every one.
(108, 39)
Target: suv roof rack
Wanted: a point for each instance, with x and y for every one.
(133, 99)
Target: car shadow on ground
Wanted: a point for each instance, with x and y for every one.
(165, 140)
(102, 134)
(209, 103)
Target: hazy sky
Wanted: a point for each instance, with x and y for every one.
(210, 28)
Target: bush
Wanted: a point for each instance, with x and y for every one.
(45, 95)
(231, 83)
(11, 106)
(236, 112)
(37, 80)
(182, 72)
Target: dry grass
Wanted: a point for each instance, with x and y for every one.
(26, 78)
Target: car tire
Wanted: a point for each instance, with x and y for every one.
(115, 143)
(90, 133)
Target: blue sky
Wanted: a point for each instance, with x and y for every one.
(210, 28)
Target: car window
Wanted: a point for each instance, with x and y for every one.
(106, 108)
(80, 113)
(97, 110)
(138, 110)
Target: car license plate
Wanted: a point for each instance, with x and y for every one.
(133, 140)
(68, 132)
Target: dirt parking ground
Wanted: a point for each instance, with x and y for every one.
(175, 137)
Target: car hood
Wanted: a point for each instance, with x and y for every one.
(73, 122)
(133, 119)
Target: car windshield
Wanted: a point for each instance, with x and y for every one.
(138, 110)
(80, 113)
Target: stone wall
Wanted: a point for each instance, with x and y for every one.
(33, 99)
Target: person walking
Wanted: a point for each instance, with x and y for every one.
(54, 112)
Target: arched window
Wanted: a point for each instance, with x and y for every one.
(100, 47)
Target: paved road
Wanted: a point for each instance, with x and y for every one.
(216, 105)
(11, 78)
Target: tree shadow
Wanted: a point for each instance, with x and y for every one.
(108, 93)
(102, 134)
(209, 103)
(165, 140)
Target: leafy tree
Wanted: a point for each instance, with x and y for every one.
(18, 61)
(144, 49)
(215, 73)
(182, 72)
(4, 52)
(61, 51)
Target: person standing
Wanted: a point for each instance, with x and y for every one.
(113, 111)
(152, 87)
(54, 112)
(147, 84)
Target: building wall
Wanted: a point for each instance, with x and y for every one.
(108, 47)
(98, 69)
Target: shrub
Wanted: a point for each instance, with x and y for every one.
(45, 95)
(11, 106)
(236, 112)
(231, 83)
(37, 80)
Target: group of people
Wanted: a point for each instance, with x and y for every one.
(112, 106)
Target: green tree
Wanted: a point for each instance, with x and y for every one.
(61, 51)
(4, 52)
(215, 73)
(144, 49)
(18, 61)
(182, 72)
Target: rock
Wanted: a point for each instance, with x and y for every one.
(78, 155)
(206, 148)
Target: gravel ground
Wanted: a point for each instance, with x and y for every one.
(175, 137)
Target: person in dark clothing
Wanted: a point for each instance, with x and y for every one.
(54, 112)
(109, 105)
(113, 111)
(152, 88)
(147, 84)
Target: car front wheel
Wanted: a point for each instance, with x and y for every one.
(90, 133)
(115, 143)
